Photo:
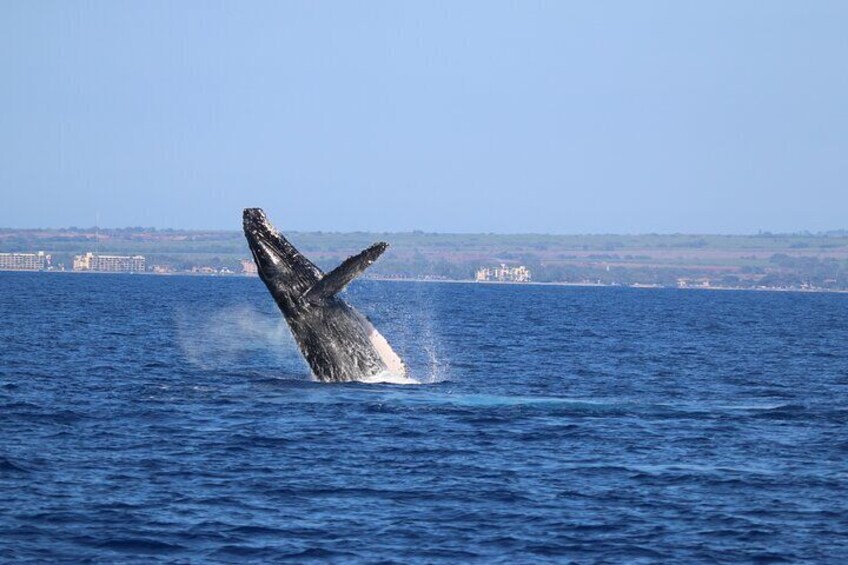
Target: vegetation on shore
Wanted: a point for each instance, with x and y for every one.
(764, 260)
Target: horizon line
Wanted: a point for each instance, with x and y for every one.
(759, 233)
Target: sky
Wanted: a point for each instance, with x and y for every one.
(505, 117)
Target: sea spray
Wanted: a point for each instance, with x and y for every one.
(387, 377)
(226, 337)
(243, 337)
(405, 312)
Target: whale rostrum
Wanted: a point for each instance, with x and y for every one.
(338, 342)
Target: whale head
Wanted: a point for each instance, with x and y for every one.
(279, 264)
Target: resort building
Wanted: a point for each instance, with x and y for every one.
(109, 263)
(503, 274)
(163, 269)
(248, 267)
(24, 261)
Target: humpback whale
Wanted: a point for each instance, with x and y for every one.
(338, 342)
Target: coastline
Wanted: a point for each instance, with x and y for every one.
(462, 281)
(601, 285)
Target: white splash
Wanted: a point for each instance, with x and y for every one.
(223, 336)
(388, 377)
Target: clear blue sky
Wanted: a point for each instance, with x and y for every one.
(559, 117)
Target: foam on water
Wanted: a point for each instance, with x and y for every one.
(388, 377)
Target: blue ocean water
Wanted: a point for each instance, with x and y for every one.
(171, 420)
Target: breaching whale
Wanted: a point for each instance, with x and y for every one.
(338, 342)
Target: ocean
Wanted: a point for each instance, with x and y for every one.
(150, 419)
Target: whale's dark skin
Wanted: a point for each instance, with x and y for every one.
(338, 342)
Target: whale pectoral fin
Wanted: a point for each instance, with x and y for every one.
(338, 278)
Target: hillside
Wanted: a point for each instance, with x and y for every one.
(772, 260)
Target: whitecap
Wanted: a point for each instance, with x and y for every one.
(388, 377)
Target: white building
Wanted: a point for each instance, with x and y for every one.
(504, 274)
(248, 267)
(109, 263)
(24, 261)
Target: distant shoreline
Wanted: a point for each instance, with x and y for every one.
(601, 285)
(466, 281)
(803, 262)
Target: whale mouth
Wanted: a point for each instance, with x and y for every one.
(256, 224)
(262, 238)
